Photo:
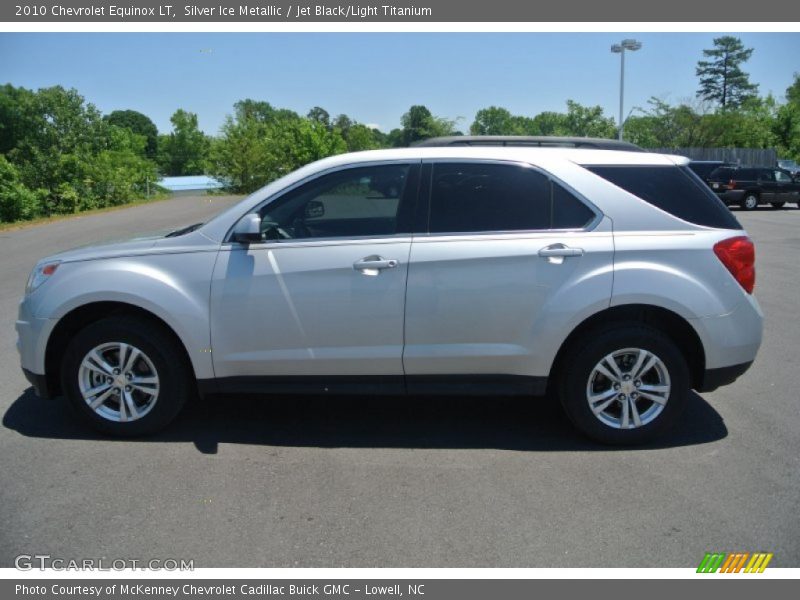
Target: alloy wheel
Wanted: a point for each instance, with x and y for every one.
(628, 388)
(118, 382)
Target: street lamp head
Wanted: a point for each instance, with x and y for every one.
(630, 44)
(616, 48)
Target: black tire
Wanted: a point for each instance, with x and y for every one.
(750, 201)
(163, 351)
(578, 365)
(777, 205)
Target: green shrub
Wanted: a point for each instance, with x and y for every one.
(17, 202)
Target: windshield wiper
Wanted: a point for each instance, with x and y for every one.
(184, 230)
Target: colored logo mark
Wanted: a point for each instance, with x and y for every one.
(737, 562)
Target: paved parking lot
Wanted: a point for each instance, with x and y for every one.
(398, 482)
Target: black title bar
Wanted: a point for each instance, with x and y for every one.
(399, 11)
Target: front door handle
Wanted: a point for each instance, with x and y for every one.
(560, 250)
(373, 265)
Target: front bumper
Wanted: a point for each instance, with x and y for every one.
(32, 336)
(39, 383)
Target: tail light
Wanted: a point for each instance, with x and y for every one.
(732, 184)
(738, 254)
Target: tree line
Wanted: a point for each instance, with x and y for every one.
(60, 155)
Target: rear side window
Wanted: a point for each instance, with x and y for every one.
(676, 190)
(477, 197)
(474, 197)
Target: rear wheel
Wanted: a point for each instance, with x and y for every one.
(750, 201)
(777, 205)
(126, 376)
(624, 384)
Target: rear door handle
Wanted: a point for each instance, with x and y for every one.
(559, 250)
(373, 265)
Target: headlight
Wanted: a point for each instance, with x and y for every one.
(40, 274)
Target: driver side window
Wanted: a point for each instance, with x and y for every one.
(358, 202)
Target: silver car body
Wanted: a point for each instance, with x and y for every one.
(455, 304)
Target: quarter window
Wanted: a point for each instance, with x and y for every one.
(676, 190)
(568, 211)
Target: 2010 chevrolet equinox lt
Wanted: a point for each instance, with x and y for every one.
(616, 280)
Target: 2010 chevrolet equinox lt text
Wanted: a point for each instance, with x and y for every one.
(615, 280)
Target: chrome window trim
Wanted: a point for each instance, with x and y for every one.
(398, 238)
(590, 226)
(278, 195)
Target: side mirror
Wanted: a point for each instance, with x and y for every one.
(314, 209)
(248, 229)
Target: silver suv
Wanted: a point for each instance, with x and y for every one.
(616, 281)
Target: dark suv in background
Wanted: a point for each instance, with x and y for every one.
(750, 186)
(704, 168)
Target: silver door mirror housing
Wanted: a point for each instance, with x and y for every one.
(248, 229)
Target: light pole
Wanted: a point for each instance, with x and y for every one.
(620, 48)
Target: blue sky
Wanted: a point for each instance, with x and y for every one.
(374, 77)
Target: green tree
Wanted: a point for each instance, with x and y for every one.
(17, 202)
(786, 126)
(579, 120)
(185, 150)
(721, 77)
(494, 120)
(419, 124)
(320, 115)
(17, 116)
(62, 150)
(139, 124)
(360, 137)
(252, 150)
(343, 123)
(545, 123)
(588, 121)
(667, 126)
(257, 110)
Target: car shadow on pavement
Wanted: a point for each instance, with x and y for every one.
(521, 424)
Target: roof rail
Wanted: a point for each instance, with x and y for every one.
(529, 140)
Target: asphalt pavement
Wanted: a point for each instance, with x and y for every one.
(398, 482)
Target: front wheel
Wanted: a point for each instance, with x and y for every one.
(126, 376)
(624, 384)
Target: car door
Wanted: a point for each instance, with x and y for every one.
(511, 259)
(787, 190)
(323, 293)
(768, 185)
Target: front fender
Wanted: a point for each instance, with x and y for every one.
(173, 287)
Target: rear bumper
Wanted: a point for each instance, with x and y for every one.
(730, 196)
(714, 378)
